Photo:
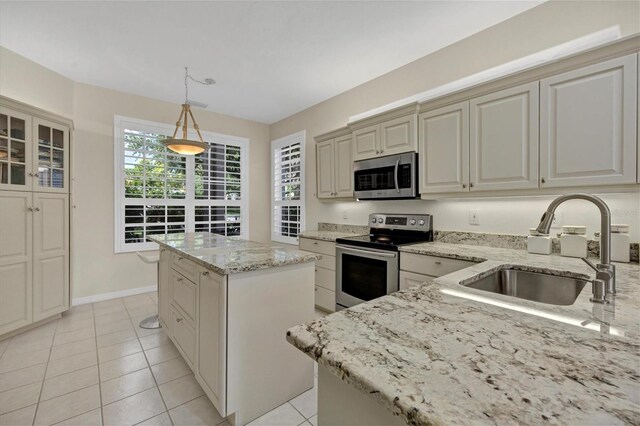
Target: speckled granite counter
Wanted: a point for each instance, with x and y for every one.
(326, 235)
(231, 255)
(442, 353)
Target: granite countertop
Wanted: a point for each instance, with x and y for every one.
(442, 353)
(231, 255)
(326, 235)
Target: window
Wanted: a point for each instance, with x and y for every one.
(158, 191)
(287, 193)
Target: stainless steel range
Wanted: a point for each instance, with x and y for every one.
(367, 267)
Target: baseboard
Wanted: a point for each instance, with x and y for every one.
(113, 295)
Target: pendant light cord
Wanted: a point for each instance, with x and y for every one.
(187, 77)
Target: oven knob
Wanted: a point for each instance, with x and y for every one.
(421, 222)
(413, 222)
(380, 220)
(373, 220)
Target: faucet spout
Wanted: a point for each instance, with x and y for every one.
(604, 269)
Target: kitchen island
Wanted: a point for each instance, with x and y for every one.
(443, 353)
(226, 304)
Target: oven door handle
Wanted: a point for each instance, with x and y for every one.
(368, 253)
(396, 175)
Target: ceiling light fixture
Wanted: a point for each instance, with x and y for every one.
(186, 146)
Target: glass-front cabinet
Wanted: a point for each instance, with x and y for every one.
(34, 153)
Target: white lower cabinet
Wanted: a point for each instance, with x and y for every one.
(230, 329)
(34, 257)
(325, 272)
(409, 279)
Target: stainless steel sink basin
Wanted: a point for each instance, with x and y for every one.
(534, 286)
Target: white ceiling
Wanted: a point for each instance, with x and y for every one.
(270, 59)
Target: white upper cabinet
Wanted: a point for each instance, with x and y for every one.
(444, 149)
(34, 153)
(366, 142)
(325, 168)
(588, 125)
(334, 167)
(394, 136)
(398, 135)
(343, 167)
(15, 150)
(503, 141)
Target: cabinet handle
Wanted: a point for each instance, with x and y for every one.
(29, 209)
(37, 209)
(315, 243)
(178, 319)
(542, 180)
(438, 262)
(464, 185)
(179, 279)
(381, 151)
(205, 273)
(470, 184)
(180, 258)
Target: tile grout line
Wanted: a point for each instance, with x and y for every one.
(152, 375)
(35, 414)
(93, 316)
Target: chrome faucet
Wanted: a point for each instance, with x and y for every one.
(605, 281)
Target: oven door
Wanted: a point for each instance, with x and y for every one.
(364, 274)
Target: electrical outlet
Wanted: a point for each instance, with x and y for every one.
(345, 214)
(474, 217)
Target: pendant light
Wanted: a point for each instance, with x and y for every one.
(186, 146)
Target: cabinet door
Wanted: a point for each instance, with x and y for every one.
(444, 149)
(164, 292)
(366, 143)
(325, 169)
(503, 142)
(399, 135)
(50, 255)
(588, 125)
(409, 279)
(343, 166)
(15, 260)
(212, 338)
(50, 156)
(15, 151)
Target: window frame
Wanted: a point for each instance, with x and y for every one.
(122, 122)
(299, 137)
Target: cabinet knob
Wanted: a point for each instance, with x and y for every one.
(470, 184)
(438, 262)
(178, 319)
(29, 209)
(464, 185)
(377, 152)
(37, 209)
(542, 180)
(205, 273)
(315, 243)
(179, 279)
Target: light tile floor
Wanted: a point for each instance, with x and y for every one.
(95, 366)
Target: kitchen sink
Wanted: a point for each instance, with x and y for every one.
(539, 287)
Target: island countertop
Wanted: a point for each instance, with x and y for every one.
(443, 353)
(231, 255)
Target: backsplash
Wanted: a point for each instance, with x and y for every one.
(514, 242)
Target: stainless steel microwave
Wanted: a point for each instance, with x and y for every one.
(390, 177)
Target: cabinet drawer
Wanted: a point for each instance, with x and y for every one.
(327, 262)
(326, 278)
(431, 265)
(409, 279)
(184, 266)
(183, 294)
(325, 299)
(184, 336)
(317, 246)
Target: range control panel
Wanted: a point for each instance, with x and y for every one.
(415, 222)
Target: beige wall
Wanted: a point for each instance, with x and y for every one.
(539, 28)
(95, 267)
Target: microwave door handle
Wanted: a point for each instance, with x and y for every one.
(396, 176)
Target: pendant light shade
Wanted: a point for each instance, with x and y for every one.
(184, 145)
